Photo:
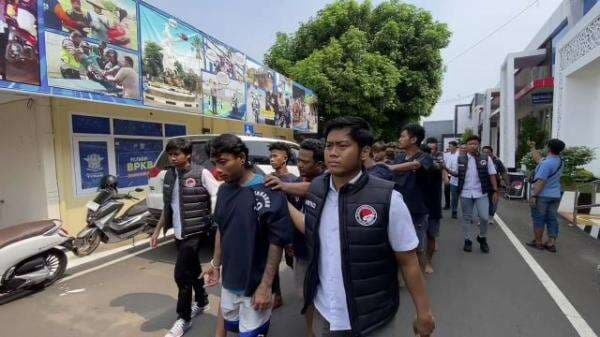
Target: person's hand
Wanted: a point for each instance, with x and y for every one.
(212, 276)
(495, 197)
(154, 239)
(532, 201)
(424, 325)
(262, 298)
(274, 182)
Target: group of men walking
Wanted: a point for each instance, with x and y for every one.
(353, 226)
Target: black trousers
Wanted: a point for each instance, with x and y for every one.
(187, 273)
(447, 195)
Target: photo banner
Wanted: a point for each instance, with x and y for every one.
(129, 52)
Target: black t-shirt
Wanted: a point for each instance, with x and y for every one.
(381, 171)
(413, 184)
(250, 218)
(433, 195)
(299, 242)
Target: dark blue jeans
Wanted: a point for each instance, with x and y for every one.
(454, 197)
(544, 215)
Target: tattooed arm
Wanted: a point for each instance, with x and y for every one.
(263, 295)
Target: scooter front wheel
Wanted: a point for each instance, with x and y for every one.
(87, 244)
(56, 262)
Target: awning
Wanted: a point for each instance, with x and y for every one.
(543, 83)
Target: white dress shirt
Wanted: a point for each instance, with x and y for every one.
(330, 299)
(208, 181)
(451, 161)
(472, 186)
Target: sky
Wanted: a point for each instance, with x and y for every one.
(250, 26)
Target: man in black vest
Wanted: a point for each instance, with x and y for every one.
(357, 228)
(187, 194)
(476, 179)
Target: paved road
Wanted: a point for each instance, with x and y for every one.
(494, 295)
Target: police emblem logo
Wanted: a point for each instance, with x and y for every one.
(190, 182)
(365, 215)
(483, 162)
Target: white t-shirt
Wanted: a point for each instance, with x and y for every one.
(208, 181)
(129, 79)
(330, 299)
(472, 186)
(451, 162)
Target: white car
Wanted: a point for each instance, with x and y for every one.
(258, 152)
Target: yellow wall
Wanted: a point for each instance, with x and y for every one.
(72, 207)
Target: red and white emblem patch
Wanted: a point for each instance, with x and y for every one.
(190, 182)
(365, 215)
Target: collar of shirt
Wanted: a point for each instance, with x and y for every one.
(352, 181)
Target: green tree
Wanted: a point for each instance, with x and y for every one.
(153, 60)
(530, 130)
(468, 133)
(382, 63)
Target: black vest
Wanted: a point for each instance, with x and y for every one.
(369, 266)
(194, 201)
(482, 171)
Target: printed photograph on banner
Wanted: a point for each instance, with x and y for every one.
(19, 54)
(261, 77)
(223, 97)
(298, 105)
(76, 64)
(283, 91)
(173, 57)
(256, 100)
(222, 59)
(110, 21)
(310, 112)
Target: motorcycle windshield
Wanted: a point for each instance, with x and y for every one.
(103, 196)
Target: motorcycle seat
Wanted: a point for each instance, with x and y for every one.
(136, 209)
(24, 231)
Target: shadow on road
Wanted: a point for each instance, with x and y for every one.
(157, 310)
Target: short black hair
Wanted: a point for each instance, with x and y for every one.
(281, 146)
(415, 130)
(473, 137)
(556, 146)
(487, 147)
(230, 144)
(453, 143)
(360, 130)
(431, 140)
(316, 146)
(179, 144)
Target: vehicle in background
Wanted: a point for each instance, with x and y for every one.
(29, 256)
(258, 152)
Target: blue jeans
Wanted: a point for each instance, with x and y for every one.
(467, 205)
(454, 198)
(544, 214)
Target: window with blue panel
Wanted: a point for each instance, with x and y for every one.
(135, 157)
(587, 5)
(90, 125)
(124, 127)
(174, 130)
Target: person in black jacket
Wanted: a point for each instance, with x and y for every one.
(187, 194)
(433, 202)
(357, 228)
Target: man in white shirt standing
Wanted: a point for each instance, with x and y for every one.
(187, 193)
(357, 228)
(476, 178)
(451, 168)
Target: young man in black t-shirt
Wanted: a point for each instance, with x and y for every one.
(411, 167)
(253, 227)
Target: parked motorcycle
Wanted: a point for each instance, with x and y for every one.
(103, 225)
(29, 257)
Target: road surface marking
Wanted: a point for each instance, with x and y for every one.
(104, 265)
(580, 325)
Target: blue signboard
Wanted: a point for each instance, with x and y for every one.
(542, 98)
(249, 129)
(134, 158)
(93, 161)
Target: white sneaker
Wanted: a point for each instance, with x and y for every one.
(197, 310)
(180, 327)
(491, 222)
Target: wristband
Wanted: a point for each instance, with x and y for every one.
(212, 263)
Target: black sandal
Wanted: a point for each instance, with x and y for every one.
(550, 248)
(535, 244)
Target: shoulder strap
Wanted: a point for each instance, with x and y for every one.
(557, 169)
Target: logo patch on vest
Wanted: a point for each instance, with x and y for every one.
(483, 162)
(262, 200)
(365, 215)
(310, 204)
(190, 182)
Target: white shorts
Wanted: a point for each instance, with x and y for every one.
(240, 317)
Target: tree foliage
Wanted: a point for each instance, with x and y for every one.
(382, 63)
(153, 60)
